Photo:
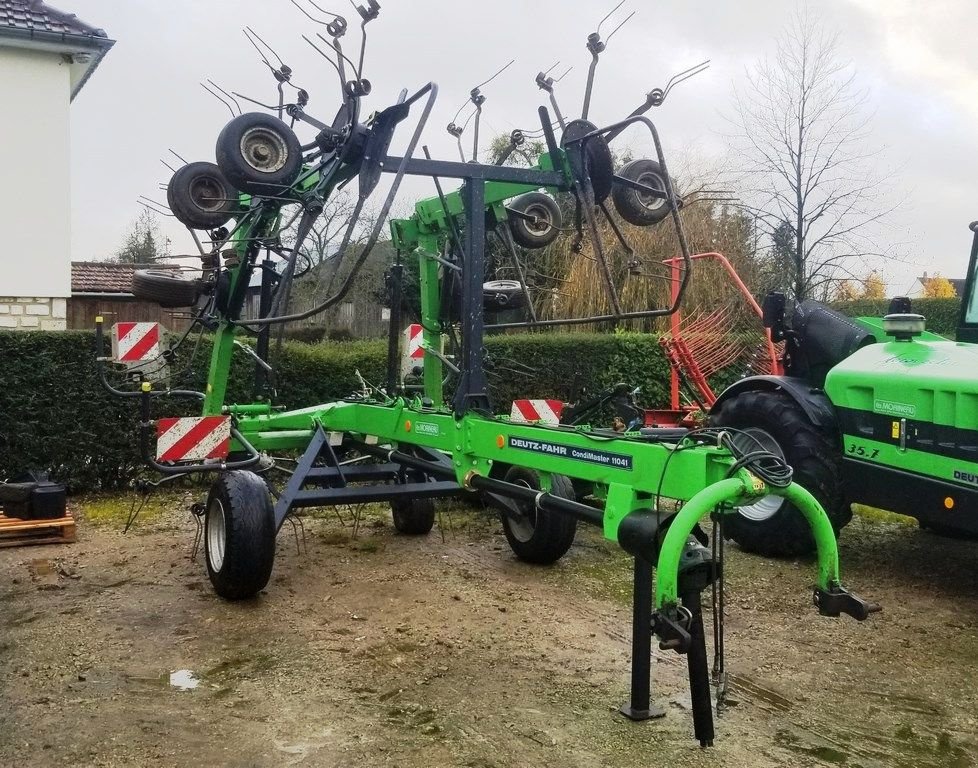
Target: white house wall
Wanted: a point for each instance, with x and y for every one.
(35, 260)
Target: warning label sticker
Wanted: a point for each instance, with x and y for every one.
(606, 458)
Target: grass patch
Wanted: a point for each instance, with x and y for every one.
(114, 509)
(882, 516)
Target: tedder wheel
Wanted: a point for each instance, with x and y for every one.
(539, 536)
(259, 154)
(413, 516)
(499, 295)
(166, 288)
(239, 535)
(544, 229)
(635, 207)
(771, 526)
(201, 197)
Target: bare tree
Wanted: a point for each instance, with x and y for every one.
(144, 242)
(806, 166)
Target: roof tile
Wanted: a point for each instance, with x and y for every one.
(106, 277)
(36, 15)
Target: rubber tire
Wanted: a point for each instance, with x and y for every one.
(165, 288)
(183, 195)
(501, 295)
(553, 532)
(414, 517)
(243, 174)
(628, 202)
(249, 549)
(543, 207)
(817, 462)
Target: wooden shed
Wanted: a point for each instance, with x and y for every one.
(105, 289)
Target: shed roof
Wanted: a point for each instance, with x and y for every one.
(106, 277)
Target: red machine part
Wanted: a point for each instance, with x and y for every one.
(701, 345)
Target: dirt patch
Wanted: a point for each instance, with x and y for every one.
(379, 649)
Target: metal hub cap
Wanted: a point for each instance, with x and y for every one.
(541, 223)
(264, 150)
(751, 439)
(207, 193)
(216, 535)
(655, 181)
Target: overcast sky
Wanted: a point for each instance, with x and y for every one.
(920, 67)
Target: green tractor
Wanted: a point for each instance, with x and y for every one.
(869, 411)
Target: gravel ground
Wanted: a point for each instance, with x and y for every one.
(378, 649)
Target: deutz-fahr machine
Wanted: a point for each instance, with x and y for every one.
(869, 411)
(386, 444)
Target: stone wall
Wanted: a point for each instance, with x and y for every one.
(33, 314)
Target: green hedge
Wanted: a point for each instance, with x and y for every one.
(55, 415)
(941, 314)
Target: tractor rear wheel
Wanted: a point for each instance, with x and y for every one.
(239, 535)
(539, 536)
(771, 526)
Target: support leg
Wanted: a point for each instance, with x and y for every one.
(639, 706)
(699, 674)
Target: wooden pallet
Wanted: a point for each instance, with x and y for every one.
(20, 533)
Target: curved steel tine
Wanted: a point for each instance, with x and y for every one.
(629, 16)
(552, 68)
(328, 58)
(480, 85)
(220, 99)
(178, 157)
(685, 75)
(261, 53)
(567, 72)
(240, 111)
(172, 169)
(459, 110)
(155, 207)
(323, 10)
(598, 30)
(335, 45)
(267, 46)
(273, 108)
(310, 16)
(511, 62)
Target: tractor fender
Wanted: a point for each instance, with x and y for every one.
(813, 401)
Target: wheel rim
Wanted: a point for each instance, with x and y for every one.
(655, 181)
(207, 193)
(523, 528)
(216, 535)
(768, 506)
(264, 150)
(542, 225)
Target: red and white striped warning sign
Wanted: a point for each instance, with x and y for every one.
(193, 438)
(412, 350)
(542, 411)
(415, 340)
(135, 342)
